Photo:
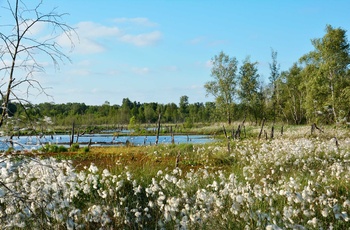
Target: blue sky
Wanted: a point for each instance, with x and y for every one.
(158, 51)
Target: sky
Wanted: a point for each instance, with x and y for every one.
(160, 50)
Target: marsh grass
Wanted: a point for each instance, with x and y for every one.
(295, 181)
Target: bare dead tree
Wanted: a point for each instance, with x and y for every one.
(158, 128)
(21, 47)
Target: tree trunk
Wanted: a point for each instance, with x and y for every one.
(272, 132)
(72, 136)
(224, 131)
(262, 127)
(172, 135)
(331, 86)
(158, 129)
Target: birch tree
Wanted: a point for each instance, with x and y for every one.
(22, 49)
(249, 89)
(274, 76)
(223, 85)
(293, 95)
(327, 75)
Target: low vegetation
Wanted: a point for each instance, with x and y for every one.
(294, 181)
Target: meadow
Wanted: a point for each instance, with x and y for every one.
(297, 180)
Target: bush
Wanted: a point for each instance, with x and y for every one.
(53, 149)
(86, 149)
(62, 149)
(74, 147)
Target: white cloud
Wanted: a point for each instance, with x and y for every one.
(35, 29)
(206, 64)
(91, 37)
(172, 68)
(80, 72)
(87, 39)
(113, 72)
(145, 39)
(141, 71)
(196, 40)
(88, 46)
(85, 63)
(95, 30)
(194, 87)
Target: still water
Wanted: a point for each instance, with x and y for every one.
(34, 142)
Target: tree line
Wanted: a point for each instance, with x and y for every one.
(315, 89)
(107, 114)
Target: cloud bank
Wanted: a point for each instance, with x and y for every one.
(91, 36)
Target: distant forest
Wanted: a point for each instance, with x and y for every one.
(114, 115)
(316, 89)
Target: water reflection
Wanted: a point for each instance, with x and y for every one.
(34, 142)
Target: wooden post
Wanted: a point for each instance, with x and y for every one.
(177, 159)
(238, 132)
(336, 143)
(72, 136)
(262, 127)
(77, 137)
(312, 128)
(282, 130)
(272, 132)
(224, 131)
(158, 129)
(172, 135)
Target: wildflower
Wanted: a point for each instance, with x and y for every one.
(346, 204)
(313, 222)
(160, 172)
(324, 212)
(128, 176)
(106, 173)
(150, 204)
(138, 214)
(273, 227)
(93, 168)
(239, 199)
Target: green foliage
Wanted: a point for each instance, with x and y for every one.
(10, 150)
(75, 147)
(251, 98)
(293, 96)
(85, 149)
(327, 76)
(49, 148)
(223, 87)
(184, 107)
(133, 124)
(188, 123)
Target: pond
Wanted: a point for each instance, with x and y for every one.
(34, 142)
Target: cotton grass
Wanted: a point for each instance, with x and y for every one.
(289, 183)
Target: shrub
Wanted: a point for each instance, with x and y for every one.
(86, 149)
(48, 148)
(74, 147)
